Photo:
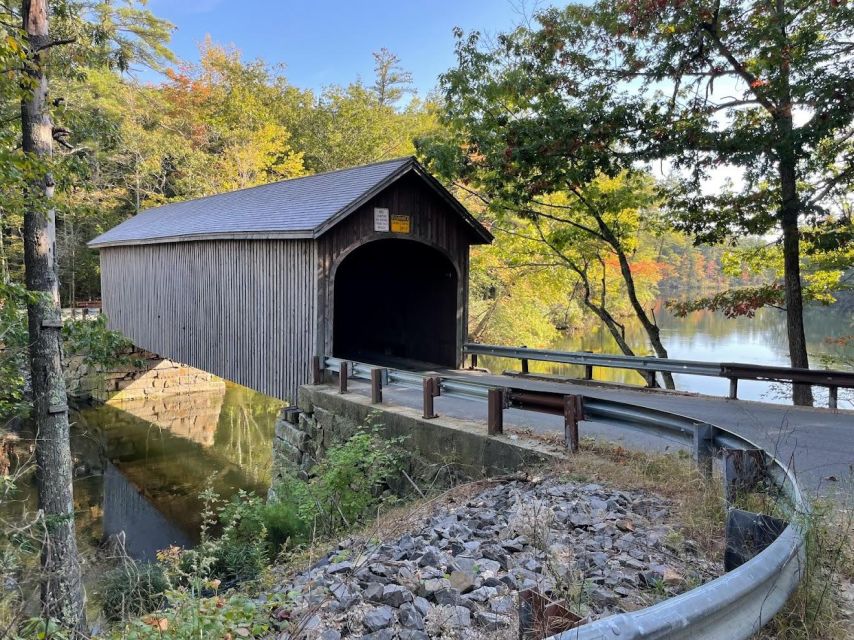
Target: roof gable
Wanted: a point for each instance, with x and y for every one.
(298, 208)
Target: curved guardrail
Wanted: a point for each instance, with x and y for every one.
(735, 605)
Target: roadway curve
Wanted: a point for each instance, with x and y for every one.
(818, 443)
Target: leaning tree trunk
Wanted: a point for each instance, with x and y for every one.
(62, 589)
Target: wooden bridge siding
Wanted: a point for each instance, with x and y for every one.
(243, 310)
(432, 222)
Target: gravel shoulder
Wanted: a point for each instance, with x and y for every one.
(456, 569)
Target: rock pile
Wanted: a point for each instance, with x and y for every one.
(600, 550)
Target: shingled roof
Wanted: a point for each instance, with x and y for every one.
(297, 208)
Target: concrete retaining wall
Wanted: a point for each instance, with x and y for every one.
(327, 417)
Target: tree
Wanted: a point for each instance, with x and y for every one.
(392, 81)
(512, 136)
(762, 88)
(62, 586)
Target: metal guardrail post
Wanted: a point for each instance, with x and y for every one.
(524, 362)
(430, 389)
(342, 376)
(733, 388)
(832, 397)
(316, 371)
(376, 386)
(573, 411)
(495, 412)
(474, 361)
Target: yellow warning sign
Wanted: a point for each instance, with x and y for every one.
(400, 224)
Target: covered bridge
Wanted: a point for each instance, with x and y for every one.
(368, 263)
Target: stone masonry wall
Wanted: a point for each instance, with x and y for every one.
(147, 374)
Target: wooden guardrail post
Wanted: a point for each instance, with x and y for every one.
(588, 369)
(343, 374)
(495, 412)
(524, 361)
(430, 389)
(733, 388)
(573, 411)
(376, 386)
(832, 397)
(316, 371)
(473, 361)
(704, 448)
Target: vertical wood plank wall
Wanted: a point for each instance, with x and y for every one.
(243, 310)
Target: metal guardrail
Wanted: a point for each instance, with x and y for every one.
(765, 563)
(649, 366)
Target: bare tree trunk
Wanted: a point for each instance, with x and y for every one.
(62, 588)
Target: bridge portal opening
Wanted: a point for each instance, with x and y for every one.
(394, 301)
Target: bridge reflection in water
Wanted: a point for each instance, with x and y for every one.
(159, 453)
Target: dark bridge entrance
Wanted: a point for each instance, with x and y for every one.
(396, 299)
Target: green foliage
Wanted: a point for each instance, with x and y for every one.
(190, 617)
(133, 590)
(282, 516)
(342, 491)
(90, 338)
(241, 551)
(13, 350)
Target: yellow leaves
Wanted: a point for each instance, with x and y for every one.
(13, 45)
(157, 622)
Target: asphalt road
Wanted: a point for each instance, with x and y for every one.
(818, 443)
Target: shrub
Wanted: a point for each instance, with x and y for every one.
(342, 490)
(282, 516)
(241, 551)
(190, 617)
(132, 590)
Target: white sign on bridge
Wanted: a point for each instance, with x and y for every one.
(380, 219)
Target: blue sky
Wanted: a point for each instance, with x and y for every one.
(325, 42)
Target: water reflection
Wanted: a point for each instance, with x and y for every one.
(155, 456)
(140, 465)
(709, 336)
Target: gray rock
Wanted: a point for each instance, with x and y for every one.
(447, 596)
(378, 618)
(329, 634)
(462, 581)
(483, 594)
(430, 558)
(382, 634)
(339, 567)
(409, 617)
(503, 604)
(491, 621)
(394, 595)
(412, 634)
(374, 592)
(429, 587)
(421, 605)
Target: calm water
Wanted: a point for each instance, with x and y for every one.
(141, 465)
(709, 336)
